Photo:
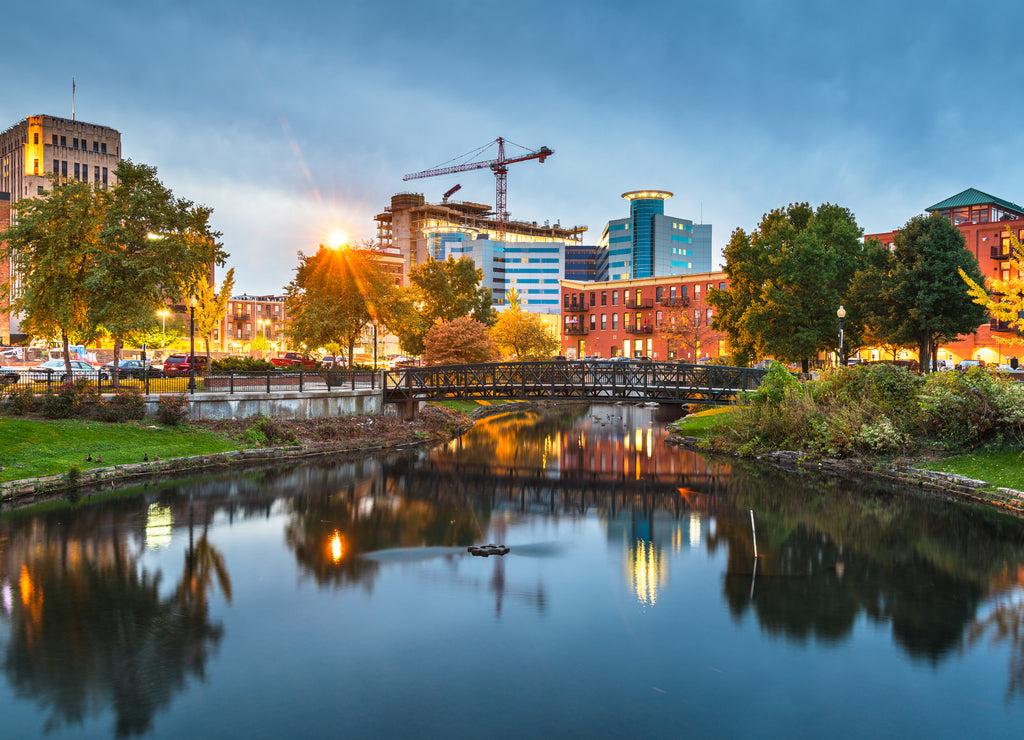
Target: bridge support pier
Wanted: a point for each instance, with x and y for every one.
(407, 409)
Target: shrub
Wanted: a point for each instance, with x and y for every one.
(124, 405)
(241, 365)
(172, 409)
(77, 399)
(20, 400)
(264, 430)
(459, 341)
(964, 409)
(773, 388)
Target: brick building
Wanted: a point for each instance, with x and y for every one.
(985, 221)
(664, 319)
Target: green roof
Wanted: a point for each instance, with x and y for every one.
(972, 197)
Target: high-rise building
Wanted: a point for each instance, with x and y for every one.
(33, 150)
(650, 244)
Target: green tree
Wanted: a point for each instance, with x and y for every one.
(154, 247)
(1006, 303)
(786, 280)
(459, 341)
(440, 291)
(334, 296)
(53, 247)
(924, 301)
(523, 335)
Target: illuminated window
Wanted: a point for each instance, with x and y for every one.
(35, 138)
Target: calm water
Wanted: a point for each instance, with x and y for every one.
(338, 600)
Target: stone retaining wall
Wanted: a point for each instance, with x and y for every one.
(283, 404)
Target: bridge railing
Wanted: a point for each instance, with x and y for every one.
(585, 379)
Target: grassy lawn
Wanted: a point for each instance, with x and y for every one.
(999, 467)
(697, 425)
(468, 407)
(31, 448)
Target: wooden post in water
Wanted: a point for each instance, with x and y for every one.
(753, 531)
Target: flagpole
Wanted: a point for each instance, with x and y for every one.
(72, 98)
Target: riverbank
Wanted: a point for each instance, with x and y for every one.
(76, 446)
(915, 472)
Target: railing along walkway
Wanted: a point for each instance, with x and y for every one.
(586, 379)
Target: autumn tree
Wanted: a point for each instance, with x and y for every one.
(1006, 300)
(521, 334)
(786, 280)
(334, 296)
(53, 246)
(211, 306)
(460, 341)
(687, 328)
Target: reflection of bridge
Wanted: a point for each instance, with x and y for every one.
(531, 488)
(593, 380)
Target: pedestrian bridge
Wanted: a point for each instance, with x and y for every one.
(590, 380)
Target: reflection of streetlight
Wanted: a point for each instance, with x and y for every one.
(841, 313)
(192, 343)
(337, 547)
(163, 326)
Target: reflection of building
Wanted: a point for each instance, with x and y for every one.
(985, 221)
(38, 148)
(649, 243)
(660, 318)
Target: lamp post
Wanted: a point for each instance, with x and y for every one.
(841, 313)
(375, 345)
(192, 344)
(163, 327)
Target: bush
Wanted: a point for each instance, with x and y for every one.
(267, 431)
(77, 399)
(172, 409)
(19, 399)
(241, 365)
(964, 409)
(126, 404)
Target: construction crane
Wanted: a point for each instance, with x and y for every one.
(498, 166)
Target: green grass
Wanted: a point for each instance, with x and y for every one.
(1003, 468)
(466, 407)
(698, 425)
(30, 448)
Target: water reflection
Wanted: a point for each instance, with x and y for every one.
(95, 627)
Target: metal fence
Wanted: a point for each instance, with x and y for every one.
(151, 383)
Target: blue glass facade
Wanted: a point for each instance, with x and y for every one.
(642, 212)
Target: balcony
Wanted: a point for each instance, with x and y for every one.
(997, 325)
(576, 308)
(639, 305)
(998, 253)
(240, 317)
(675, 302)
(642, 329)
(575, 329)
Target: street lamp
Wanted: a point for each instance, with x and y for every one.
(841, 313)
(192, 344)
(375, 345)
(163, 326)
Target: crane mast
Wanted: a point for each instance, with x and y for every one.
(499, 166)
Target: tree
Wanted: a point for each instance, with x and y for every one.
(687, 328)
(441, 291)
(459, 341)
(334, 296)
(210, 306)
(786, 280)
(523, 335)
(154, 247)
(924, 300)
(1006, 303)
(53, 246)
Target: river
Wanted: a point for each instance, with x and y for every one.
(338, 598)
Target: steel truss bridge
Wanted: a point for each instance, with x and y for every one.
(633, 381)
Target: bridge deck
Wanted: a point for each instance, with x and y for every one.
(586, 380)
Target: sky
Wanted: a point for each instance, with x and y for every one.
(295, 120)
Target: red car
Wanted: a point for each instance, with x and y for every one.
(176, 366)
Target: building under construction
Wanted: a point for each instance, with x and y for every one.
(419, 229)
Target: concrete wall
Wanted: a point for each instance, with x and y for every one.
(279, 405)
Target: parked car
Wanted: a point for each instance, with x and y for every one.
(176, 366)
(8, 376)
(135, 369)
(294, 359)
(966, 364)
(55, 369)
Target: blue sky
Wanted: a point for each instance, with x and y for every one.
(290, 120)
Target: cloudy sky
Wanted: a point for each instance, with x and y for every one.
(293, 119)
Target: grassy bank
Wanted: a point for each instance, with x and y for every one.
(1000, 468)
(31, 447)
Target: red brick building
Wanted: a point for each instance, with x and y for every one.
(985, 221)
(661, 318)
(5, 270)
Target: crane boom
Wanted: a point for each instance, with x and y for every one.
(499, 166)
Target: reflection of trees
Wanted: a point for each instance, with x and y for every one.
(85, 634)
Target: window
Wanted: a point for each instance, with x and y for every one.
(77, 173)
(615, 321)
(75, 145)
(638, 298)
(625, 321)
(657, 318)
(95, 146)
(104, 177)
(64, 170)
(615, 297)
(35, 166)
(35, 138)
(672, 293)
(96, 173)
(604, 297)
(604, 321)
(64, 141)
(103, 148)
(566, 297)
(593, 321)
(56, 167)
(708, 316)
(55, 139)
(658, 293)
(593, 299)
(682, 290)
(721, 286)
(696, 291)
